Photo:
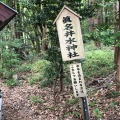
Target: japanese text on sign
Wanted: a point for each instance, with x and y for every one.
(77, 80)
(69, 37)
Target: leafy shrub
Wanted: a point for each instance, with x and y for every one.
(35, 79)
(98, 63)
(9, 59)
(26, 67)
(46, 72)
(40, 65)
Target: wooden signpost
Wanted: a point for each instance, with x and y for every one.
(69, 32)
(71, 44)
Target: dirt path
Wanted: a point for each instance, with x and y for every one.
(17, 104)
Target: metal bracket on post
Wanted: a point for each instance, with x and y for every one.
(85, 108)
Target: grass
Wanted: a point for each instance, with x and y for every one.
(98, 62)
(35, 99)
(11, 82)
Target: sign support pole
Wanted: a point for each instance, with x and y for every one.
(71, 44)
(85, 108)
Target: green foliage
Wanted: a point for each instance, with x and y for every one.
(35, 99)
(104, 34)
(114, 104)
(46, 83)
(35, 79)
(72, 101)
(41, 14)
(11, 82)
(25, 67)
(9, 59)
(40, 66)
(98, 63)
(92, 103)
(46, 73)
(69, 113)
(97, 113)
(112, 94)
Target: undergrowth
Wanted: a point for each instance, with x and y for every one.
(98, 62)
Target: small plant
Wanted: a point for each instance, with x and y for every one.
(34, 79)
(69, 113)
(92, 103)
(114, 104)
(35, 99)
(72, 101)
(112, 94)
(90, 91)
(11, 82)
(97, 113)
(77, 114)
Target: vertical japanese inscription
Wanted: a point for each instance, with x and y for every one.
(77, 80)
(69, 34)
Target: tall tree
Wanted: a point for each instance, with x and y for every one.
(117, 55)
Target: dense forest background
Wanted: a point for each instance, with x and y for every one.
(32, 32)
(30, 44)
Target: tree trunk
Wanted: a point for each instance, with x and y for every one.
(118, 70)
(117, 60)
(36, 30)
(44, 45)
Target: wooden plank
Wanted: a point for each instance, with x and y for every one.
(2, 18)
(4, 14)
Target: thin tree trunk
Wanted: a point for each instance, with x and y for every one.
(37, 41)
(44, 45)
(118, 71)
(118, 60)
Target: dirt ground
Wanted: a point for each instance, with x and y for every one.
(17, 104)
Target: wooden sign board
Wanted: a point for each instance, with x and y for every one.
(69, 32)
(77, 80)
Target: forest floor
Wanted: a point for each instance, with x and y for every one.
(19, 102)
